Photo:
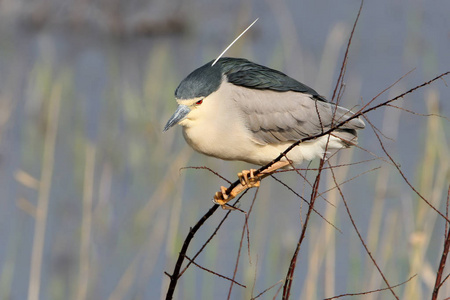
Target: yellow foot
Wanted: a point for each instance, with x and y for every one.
(249, 181)
(222, 198)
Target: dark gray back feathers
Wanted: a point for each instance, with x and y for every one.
(207, 79)
(244, 73)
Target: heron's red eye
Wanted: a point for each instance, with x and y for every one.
(199, 102)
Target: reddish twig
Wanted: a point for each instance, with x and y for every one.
(206, 243)
(214, 273)
(248, 240)
(418, 114)
(305, 179)
(298, 195)
(440, 272)
(266, 290)
(212, 235)
(290, 274)
(278, 291)
(240, 244)
(254, 277)
(403, 175)
(348, 180)
(360, 237)
(325, 168)
(370, 292)
(344, 62)
(446, 212)
(208, 169)
(446, 277)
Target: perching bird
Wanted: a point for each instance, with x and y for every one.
(238, 110)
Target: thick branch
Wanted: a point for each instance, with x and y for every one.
(175, 275)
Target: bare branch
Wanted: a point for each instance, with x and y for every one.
(266, 290)
(360, 237)
(344, 63)
(416, 113)
(325, 168)
(404, 177)
(208, 169)
(298, 195)
(438, 282)
(370, 292)
(212, 235)
(214, 273)
(240, 243)
(348, 180)
(290, 274)
(174, 277)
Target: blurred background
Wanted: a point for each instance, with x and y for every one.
(94, 204)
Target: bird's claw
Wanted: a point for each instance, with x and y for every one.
(249, 181)
(222, 198)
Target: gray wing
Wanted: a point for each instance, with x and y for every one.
(275, 117)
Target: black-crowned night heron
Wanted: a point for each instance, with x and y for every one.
(238, 110)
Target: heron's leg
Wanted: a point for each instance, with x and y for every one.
(274, 167)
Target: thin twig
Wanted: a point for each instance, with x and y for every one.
(325, 168)
(298, 195)
(404, 177)
(348, 180)
(266, 290)
(446, 277)
(212, 235)
(418, 114)
(240, 245)
(446, 212)
(360, 237)
(278, 291)
(370, 292)
(208, 169)
(305, 179)
(206, 243)
(290, 274)
(254, 277)
(214, 273)
(344, 62)
(248, 240)
(438, 283)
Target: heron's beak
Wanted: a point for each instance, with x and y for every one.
(180, 114)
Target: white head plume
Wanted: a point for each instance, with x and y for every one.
(235, 40)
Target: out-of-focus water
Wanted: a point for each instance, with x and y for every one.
(117, 95)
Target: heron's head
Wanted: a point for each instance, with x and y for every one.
(193, 92)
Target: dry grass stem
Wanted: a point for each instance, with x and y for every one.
(44, 193)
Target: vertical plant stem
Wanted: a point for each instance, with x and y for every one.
(290, 274)
(86, 225)
(440, 271)
(44, 192)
